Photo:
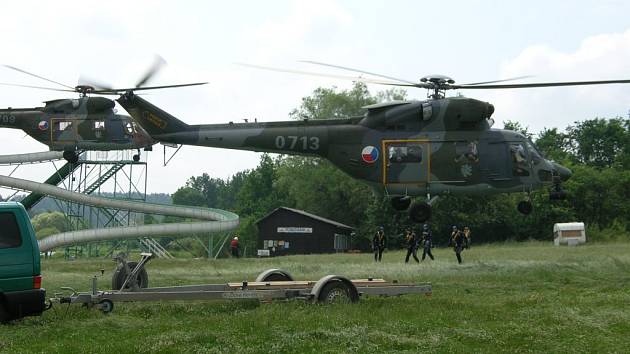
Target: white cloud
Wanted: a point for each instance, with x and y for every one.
(600, 57)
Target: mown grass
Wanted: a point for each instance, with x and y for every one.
(529, 297)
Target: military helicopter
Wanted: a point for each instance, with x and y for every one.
(404, 149)
(83, 123)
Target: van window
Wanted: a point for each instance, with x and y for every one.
(9, 231)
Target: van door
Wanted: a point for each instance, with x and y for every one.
(16, 254)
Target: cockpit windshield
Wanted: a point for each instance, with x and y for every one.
(535, 155)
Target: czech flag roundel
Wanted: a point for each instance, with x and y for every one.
(369, 154)
(43, 125)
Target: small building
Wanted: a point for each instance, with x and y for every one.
(570, 233)
(287, 231)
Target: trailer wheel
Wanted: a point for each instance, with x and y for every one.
(274, 275)
(336, 292)
(106, 305)
(142, 278)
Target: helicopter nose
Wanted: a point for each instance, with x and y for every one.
(562, 171)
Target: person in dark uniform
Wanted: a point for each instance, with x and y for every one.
(427, 242)
(458, 240)
(467, 237)
(411, 240)
(378, 244)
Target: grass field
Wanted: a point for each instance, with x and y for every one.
(529, 297)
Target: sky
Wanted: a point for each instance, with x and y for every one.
(470, 41)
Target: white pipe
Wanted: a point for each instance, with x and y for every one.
(31, 157)
(221, 220)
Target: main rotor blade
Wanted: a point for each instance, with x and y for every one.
(503, 80)
(36, 87)
(343, 77)
(120, 90)
(157, 65)
(542, 84)
(37, 76)
(358, 71)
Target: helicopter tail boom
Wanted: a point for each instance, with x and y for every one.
(153, 119)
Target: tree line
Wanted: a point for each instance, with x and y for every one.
(596, 150)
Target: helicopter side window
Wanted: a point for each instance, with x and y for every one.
(63, 125)
(519, 159)
(466, 151)
(405, 153)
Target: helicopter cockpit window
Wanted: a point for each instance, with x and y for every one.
(427, 111)
(405, 153)
(466, 152)
(129, 128)
(533, 153)
(519, 159)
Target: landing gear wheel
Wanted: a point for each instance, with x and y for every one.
(106, 305)
(420, 212)
(401, 203)
(525, 207)
(335, 292)
(118, 279)
(71, 156)
(136, 158)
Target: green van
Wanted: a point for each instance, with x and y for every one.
(20, 271)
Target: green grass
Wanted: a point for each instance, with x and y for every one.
(529, 297)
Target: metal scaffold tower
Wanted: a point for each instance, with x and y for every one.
(109, 174)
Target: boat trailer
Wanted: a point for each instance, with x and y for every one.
(272, 284)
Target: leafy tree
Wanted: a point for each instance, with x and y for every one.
(54, 222)
(553, 144)
(517, 127)
(189, 196)
(601, 142)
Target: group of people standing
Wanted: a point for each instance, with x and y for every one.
(460, 240)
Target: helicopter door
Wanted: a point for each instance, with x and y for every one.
(495, 161)
(64, 131)
(406, 161)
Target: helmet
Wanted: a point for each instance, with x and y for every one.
(236, 238)
(381, 228)
(454, 227)
(426, 226)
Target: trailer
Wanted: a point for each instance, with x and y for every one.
(270, 285)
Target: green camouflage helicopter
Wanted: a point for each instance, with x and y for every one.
(403, 149)
(84, 123)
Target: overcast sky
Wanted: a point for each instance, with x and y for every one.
(114, 42)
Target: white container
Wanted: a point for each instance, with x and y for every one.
(570, 233)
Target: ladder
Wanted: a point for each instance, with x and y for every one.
(155, 248)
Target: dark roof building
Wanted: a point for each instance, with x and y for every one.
(287, 231)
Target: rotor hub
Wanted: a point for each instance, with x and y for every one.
(84, 89)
